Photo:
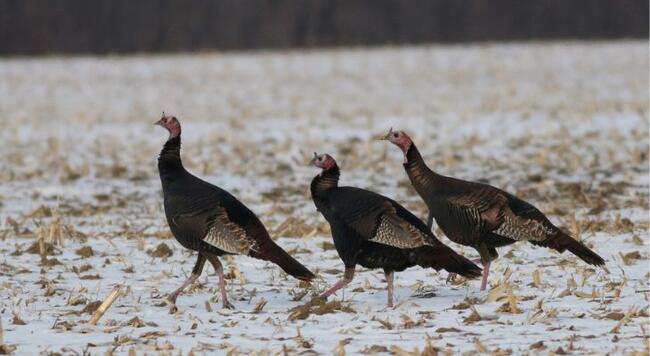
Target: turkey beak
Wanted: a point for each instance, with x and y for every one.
(313, 160)
(386, 136)
(159, 123)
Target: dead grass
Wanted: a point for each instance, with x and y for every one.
(318, 306)
(81, 211)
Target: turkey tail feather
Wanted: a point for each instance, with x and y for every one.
(583, 252)
(280, 257)
(562, 242)
(443, 257)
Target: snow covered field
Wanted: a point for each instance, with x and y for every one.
(563, 125)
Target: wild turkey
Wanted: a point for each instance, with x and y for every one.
(376, 232)
(480, 215)
(209, 220)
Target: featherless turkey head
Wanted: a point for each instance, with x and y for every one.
(171, 124)
(323, 161)
(399, 139)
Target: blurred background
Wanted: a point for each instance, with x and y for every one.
(124, 26)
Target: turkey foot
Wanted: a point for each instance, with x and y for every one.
(171, 298)
(451, 277)
(347, 278)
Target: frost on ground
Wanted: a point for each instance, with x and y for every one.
(562, 125)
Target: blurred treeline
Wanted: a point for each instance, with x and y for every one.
(122, 26)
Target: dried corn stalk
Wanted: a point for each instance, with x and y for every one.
(112, 297)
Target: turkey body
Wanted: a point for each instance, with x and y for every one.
(193, 207)
(354, 244)
(374, 231)
(484, 217)
(209, 220)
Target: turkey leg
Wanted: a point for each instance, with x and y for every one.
(196, 272)
(222, 281)
(452, 276)
(389, 281)
(347, 278)
(486, 272)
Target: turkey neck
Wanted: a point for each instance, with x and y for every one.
(424, 180)
(325, 181)
(169, 161)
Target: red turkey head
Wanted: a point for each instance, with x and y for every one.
(323, 161)
(171, 124)
(399, 139)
